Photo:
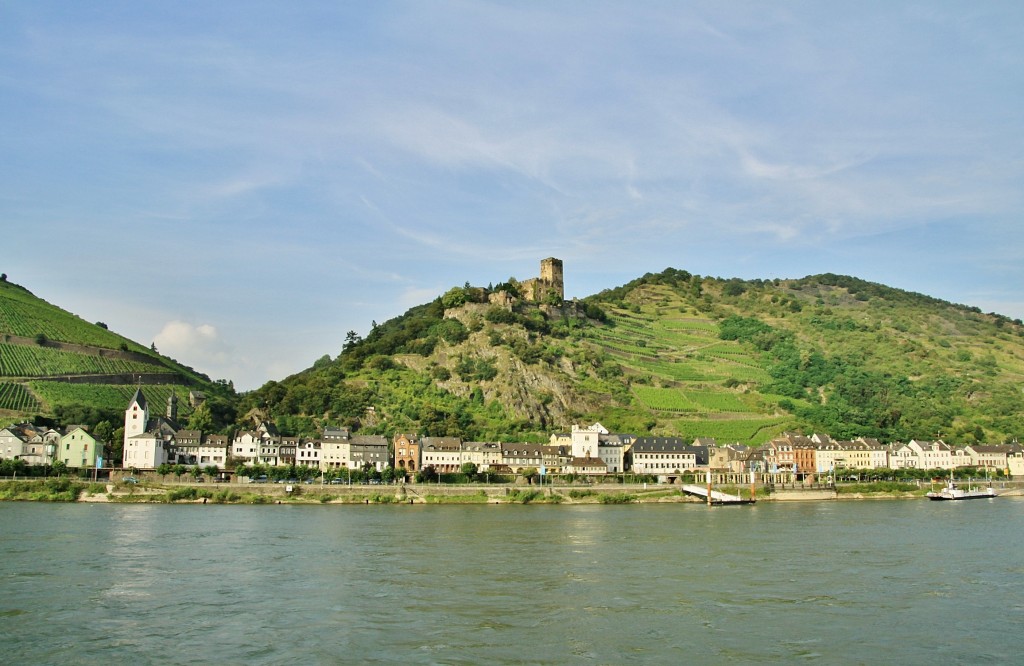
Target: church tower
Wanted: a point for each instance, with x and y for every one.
(172, 408)
(136, 417)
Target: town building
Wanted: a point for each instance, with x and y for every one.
(407, 453)
(80, 449)
(664, 457)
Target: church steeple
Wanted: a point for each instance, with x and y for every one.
(172, 408)
(136, 417)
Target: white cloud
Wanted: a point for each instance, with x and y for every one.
(199, 346)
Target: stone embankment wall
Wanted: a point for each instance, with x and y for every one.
(803, 494)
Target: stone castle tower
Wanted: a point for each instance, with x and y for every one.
(551, 276)
(539, 289)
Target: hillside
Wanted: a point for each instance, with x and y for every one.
(674, 354)
(56, 365)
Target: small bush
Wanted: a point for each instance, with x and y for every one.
(524, 496)
(616, 498)
(225, 497)
(188, 493)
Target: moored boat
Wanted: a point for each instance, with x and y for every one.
(952, 492)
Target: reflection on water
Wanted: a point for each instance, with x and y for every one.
(835, 582)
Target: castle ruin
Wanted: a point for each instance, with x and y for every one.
(548, 286)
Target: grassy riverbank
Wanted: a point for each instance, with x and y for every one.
(880, 489)
(73, 490)
(48, 490)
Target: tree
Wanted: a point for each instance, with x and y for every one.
(211, 471)
(179, 469)
(59, 468)
(427, 475)
(351, 340)
(163, 470)
(453, 298)
(12, 466)
(197, 473)
(103, 431)
(201, 419)
(530, 473)
(469, 469)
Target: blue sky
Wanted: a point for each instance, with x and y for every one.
(244, 182)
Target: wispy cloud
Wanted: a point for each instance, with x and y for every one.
(368, 155)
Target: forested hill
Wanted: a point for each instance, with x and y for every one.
(60, 367)
(673, 354)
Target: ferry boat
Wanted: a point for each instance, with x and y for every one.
(952, 492)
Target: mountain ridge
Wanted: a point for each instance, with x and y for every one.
(675, 353)
(667, 353)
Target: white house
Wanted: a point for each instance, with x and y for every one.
(11, 444)
(444, 454)
(932, 455)
(661, 456)
(307, 453)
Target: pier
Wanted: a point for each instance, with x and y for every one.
(716, 496)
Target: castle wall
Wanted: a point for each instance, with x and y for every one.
(536, 289)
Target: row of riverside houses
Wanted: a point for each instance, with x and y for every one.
(818, 454)
(34, 445)
(589, 450)
(150, 441)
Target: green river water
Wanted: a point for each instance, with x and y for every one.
(851, 582)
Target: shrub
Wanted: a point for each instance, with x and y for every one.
(188, 493)
(524, 496)
(616, 498)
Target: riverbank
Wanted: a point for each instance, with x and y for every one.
(69, 490)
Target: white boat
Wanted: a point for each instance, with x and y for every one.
(952, 492)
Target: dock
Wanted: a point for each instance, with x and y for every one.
(717, 496)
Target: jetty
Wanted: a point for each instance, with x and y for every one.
(716, 496)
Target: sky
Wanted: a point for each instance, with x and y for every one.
(241, 183)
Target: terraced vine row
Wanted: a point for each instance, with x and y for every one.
(26, 361)
(718, 402)
(17, 397)
(109, 396)
(689, 325)
(680, 401)
(664, 399)
(28, 319)
(746, 431)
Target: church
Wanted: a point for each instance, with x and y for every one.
(149, 441)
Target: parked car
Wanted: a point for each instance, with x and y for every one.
(337, 482)
(259, 479)
(129, 479)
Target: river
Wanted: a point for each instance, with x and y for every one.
(859, 582)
